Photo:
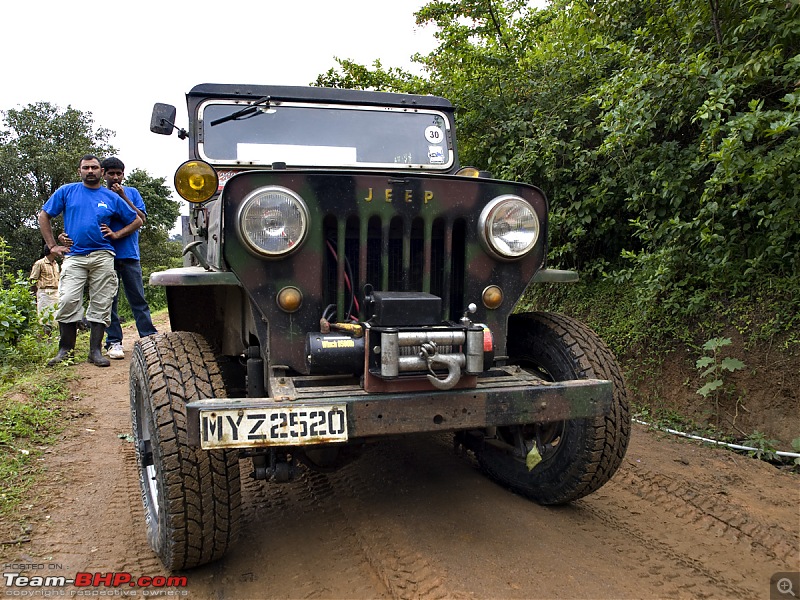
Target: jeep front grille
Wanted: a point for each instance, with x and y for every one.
(399, 254)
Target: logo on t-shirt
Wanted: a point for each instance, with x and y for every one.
(103, 204)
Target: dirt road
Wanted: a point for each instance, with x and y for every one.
(416, 519)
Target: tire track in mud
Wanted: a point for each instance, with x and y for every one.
(716, 553)
(685, 573)
(335, 504)
(295, 543)
(107, 496)
(710, 514)
(343, 523)
(405, 572)
(686, 564)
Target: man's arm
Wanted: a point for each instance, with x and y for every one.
(124, 232)
(46, 229)
(117, 188)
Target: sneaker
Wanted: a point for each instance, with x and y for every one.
(115, 351)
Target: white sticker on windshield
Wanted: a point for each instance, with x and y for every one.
(434, 134)
(435, 154)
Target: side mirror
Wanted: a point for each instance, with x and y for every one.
(163, 119)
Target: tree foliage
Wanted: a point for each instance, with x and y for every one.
(664, 132)
(40, 147)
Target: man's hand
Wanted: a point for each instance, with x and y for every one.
(59, 250)
(107, 233)
(64, 239)
(119, 190)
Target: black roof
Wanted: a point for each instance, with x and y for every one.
(317, 94)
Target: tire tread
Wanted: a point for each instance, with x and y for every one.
(603, 446)
(202, 503)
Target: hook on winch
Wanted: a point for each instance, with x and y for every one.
(429, 353)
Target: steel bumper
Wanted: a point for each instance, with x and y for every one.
(509, 397)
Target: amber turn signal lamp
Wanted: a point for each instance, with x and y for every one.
(492, 297)
(290, 299)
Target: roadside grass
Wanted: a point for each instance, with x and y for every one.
(36, 405)
(31, 417)
(35, 408)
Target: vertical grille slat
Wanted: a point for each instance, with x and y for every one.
(427, 248)
(399, 254)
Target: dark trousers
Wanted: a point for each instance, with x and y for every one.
(129, 271)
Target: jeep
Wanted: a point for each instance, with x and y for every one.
(346, 281)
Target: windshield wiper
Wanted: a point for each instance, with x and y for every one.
(242, 112)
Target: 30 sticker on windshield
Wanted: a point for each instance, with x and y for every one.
(434, 134)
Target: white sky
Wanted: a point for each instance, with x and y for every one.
(116, 59)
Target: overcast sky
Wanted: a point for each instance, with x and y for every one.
(116, 59)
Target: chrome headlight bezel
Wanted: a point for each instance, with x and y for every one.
(269, 198)
(494, 213)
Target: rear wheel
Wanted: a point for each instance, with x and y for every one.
(191, 497)
(580, 455)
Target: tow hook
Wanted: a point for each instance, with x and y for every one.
(433, 358)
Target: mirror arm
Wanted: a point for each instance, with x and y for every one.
(182, 133)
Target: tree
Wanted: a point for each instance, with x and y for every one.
(663, 132)
(40, 147)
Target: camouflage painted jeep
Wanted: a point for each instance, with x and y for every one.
(348, 282)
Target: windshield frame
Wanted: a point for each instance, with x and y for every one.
(204, 129)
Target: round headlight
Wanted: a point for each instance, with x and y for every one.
(196, 181)
(273, 221)
(509, 227)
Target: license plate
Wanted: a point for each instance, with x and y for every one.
(280, 426)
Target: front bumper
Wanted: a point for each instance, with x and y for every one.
(503, 396)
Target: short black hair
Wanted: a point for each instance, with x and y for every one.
(112, 163)
(89, 157)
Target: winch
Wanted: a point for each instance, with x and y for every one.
(404, 338)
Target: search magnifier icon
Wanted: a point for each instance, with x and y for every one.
(784, 586)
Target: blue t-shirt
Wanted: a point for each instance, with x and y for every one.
(128, 247)
(84, 210)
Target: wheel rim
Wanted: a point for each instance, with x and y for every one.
(145, 455)
(547, 437)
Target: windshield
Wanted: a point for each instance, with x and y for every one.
(317, 135)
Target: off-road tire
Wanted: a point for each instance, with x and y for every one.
(585, 452)
(191, 497)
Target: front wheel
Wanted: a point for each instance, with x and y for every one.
(578, 456)
(191, 497)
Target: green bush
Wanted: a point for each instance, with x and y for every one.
(22, 339)
(17, 304)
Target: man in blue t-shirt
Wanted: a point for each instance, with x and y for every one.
(126, 263)
(89, 209)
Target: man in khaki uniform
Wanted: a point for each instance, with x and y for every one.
(44, 278)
